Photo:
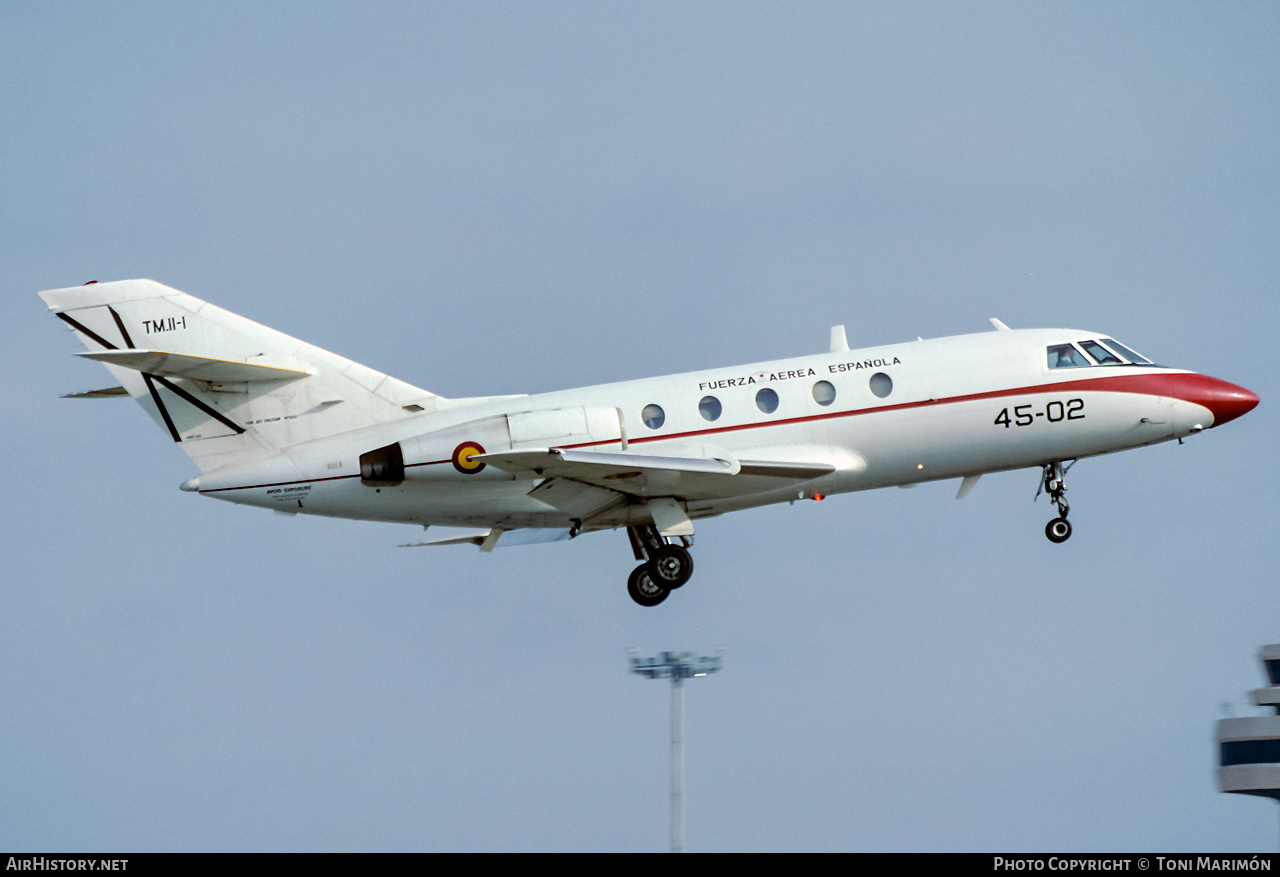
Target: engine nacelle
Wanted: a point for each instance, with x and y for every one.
(450, 453)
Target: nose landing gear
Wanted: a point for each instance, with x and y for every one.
(666, 565)
(1058, 530)
(1053, 483)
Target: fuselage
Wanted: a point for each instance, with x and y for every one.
(881, 416)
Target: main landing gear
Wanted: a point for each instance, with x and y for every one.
(666, 566)
(1053, 483)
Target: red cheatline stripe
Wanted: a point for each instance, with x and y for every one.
(1149, 385)
(1138, 384)
(281, 483)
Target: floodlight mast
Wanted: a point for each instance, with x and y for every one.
(677, 668)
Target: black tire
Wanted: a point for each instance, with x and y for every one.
(670, 566)
(1058, 530)
(643, 589)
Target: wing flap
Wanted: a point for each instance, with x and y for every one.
(465, 537)
(488, 538)
(575, 499)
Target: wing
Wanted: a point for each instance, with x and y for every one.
(655, 476)
(598, 490)
(594, 487)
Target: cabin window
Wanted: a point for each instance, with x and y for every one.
(767, 400)
(653, 416)
(1066, 356)
(1100, 353)
(709, 408)
(1126, 352)
(824, 393)
(881, 384)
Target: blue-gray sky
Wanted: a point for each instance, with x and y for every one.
(494, 198)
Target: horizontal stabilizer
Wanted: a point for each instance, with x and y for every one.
(108, 393)
(194, 368)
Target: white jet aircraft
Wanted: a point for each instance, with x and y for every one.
(274, 422)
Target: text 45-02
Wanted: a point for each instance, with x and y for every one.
(1055, 411)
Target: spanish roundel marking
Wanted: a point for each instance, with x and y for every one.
(462, 458)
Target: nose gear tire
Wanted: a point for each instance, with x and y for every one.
(1058, 530)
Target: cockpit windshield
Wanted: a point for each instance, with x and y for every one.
(1101, 355)
(1103, 351)
(1126, 352)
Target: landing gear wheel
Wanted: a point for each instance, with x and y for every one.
(643, 589)
(670, 566)
(1058, 530)
(1053, 482)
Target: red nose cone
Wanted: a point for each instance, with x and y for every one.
(1226, 401)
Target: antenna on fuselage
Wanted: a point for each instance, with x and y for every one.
(1000, 327)
(839, 343)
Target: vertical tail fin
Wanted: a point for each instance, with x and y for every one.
(225, 388)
